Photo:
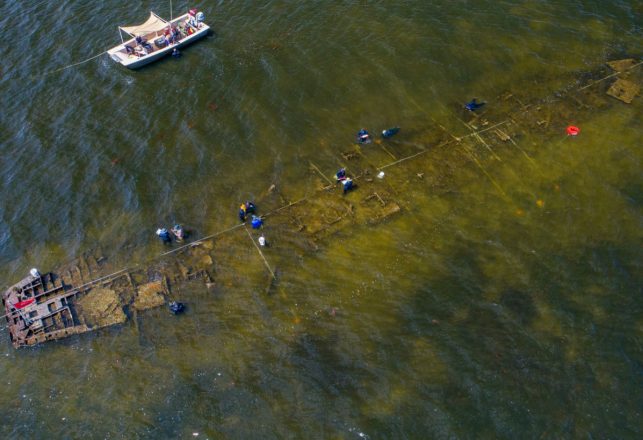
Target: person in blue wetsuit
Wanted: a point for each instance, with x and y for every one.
(257, 222)
(363, 137)
(473, 105)
(390, 132)
(164, 235)
(176, 307)
(347, 184)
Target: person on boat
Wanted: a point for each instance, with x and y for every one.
(164, 235)
(200, 17)
(347, 184)
(257, 222)
(176, 35)
(341, 174)
(140, 51)
(167, 36)
(142, 42)
(242, 212)
(363, 137)
(179, 232)
(191, 20)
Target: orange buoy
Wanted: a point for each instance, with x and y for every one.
(572, 130)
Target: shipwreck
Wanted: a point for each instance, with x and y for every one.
(90, 293)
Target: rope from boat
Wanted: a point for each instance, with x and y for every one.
(260, 253)
(74, 64)
(200, 240)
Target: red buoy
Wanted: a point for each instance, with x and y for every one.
(572, 130)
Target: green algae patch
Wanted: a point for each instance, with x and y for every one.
(100, 308)
(150, 295)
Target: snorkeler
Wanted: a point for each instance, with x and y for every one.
(473, 105)
(164, 235)
(390, 132)
(363, 137)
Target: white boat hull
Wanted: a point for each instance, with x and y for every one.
(119, 54)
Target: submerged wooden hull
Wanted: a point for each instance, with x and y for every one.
(89, 294)
(79, 298)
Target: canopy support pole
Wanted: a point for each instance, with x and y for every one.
(120, 34)
(171, 17)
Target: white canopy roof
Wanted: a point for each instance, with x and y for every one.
(153, 24)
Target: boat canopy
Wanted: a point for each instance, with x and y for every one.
(153, 24)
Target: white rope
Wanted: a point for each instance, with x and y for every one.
(74, 64)
(260, 253)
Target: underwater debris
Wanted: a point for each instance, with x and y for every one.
(622, 65)
(623, 90)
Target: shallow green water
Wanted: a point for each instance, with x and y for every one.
(504, 301)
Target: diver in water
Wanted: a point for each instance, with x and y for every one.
(164, 235)
(390, 132)
(179, 232)
(473, 105)
(176, 307)
(363, 137)
(257, 222)
(341, 174)
(347, 184)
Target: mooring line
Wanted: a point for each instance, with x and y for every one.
(493, 181)
(609, 76)
(260, 253)
(482, 141)
(477, 132)
(389, 153)
(71, 65)
(320, 173)
(200, 240)
(515, 144)
(412, 156)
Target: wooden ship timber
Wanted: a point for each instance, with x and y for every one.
(82, 298)
(46, 307)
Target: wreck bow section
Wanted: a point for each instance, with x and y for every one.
(80, 298)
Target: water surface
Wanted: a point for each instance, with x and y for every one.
(504, 301)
